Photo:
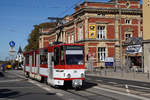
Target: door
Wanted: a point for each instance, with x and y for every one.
(50, 66)
(30, 63)
(37, 64)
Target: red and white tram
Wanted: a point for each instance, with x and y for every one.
(57, 64)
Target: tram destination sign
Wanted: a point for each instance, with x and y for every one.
(74, 47)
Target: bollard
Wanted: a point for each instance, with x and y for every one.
(134, 72)
(122, 73)
(100, 73)
(105, 72)
(148, 74)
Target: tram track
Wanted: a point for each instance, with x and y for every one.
(89, 95)
(121, 85)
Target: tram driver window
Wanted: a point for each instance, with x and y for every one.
(56, 56)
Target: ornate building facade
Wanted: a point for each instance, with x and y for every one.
(102, 27)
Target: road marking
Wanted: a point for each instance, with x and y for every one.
(45, 87)
(71, 99)
(112, 82)
(13, 80)
(139, 87)
(99, 80)
(121, 93)
(20, 76)
(40, 85)
(59, 94)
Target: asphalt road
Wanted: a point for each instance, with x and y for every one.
(14, 86)
(137, 87)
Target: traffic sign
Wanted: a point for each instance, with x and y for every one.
(11, 43)
(12, 51)
(109, 61)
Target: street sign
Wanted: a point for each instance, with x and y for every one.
(12, 51)
(109, 61)
(11, 43)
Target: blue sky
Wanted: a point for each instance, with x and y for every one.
(17, 18)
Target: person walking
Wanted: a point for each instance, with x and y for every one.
(3, 67)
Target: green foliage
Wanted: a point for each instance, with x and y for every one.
(47, 25)
(33, 40)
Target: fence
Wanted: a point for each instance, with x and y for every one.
(119, 73)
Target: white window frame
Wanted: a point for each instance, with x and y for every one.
(128, 21)
(101, 53)
(101, 33)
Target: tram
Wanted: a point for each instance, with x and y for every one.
(57, 64)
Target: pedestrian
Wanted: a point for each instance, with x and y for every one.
(3, 67)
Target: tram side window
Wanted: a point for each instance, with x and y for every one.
(56, 56)
(27, 59)
(43, 59)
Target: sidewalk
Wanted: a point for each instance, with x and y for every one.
(134, 76)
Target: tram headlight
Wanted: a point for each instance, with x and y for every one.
(82, 75)
(68, 76)
(80, 63)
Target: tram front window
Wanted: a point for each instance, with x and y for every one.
(74, 59)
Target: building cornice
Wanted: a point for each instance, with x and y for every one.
(97, 40)
(136, 11)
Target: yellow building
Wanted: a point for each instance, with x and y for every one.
(146, 34)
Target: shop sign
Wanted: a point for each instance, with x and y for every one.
(134, 49)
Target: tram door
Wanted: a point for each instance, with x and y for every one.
(37, 64)
(50, 65)
(30, 63)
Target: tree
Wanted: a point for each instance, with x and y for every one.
(33, 40)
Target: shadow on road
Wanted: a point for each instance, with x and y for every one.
(1, 74)
(86, 85)
(50, 93)
(7, 93)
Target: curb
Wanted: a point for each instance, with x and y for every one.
(135, 80)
